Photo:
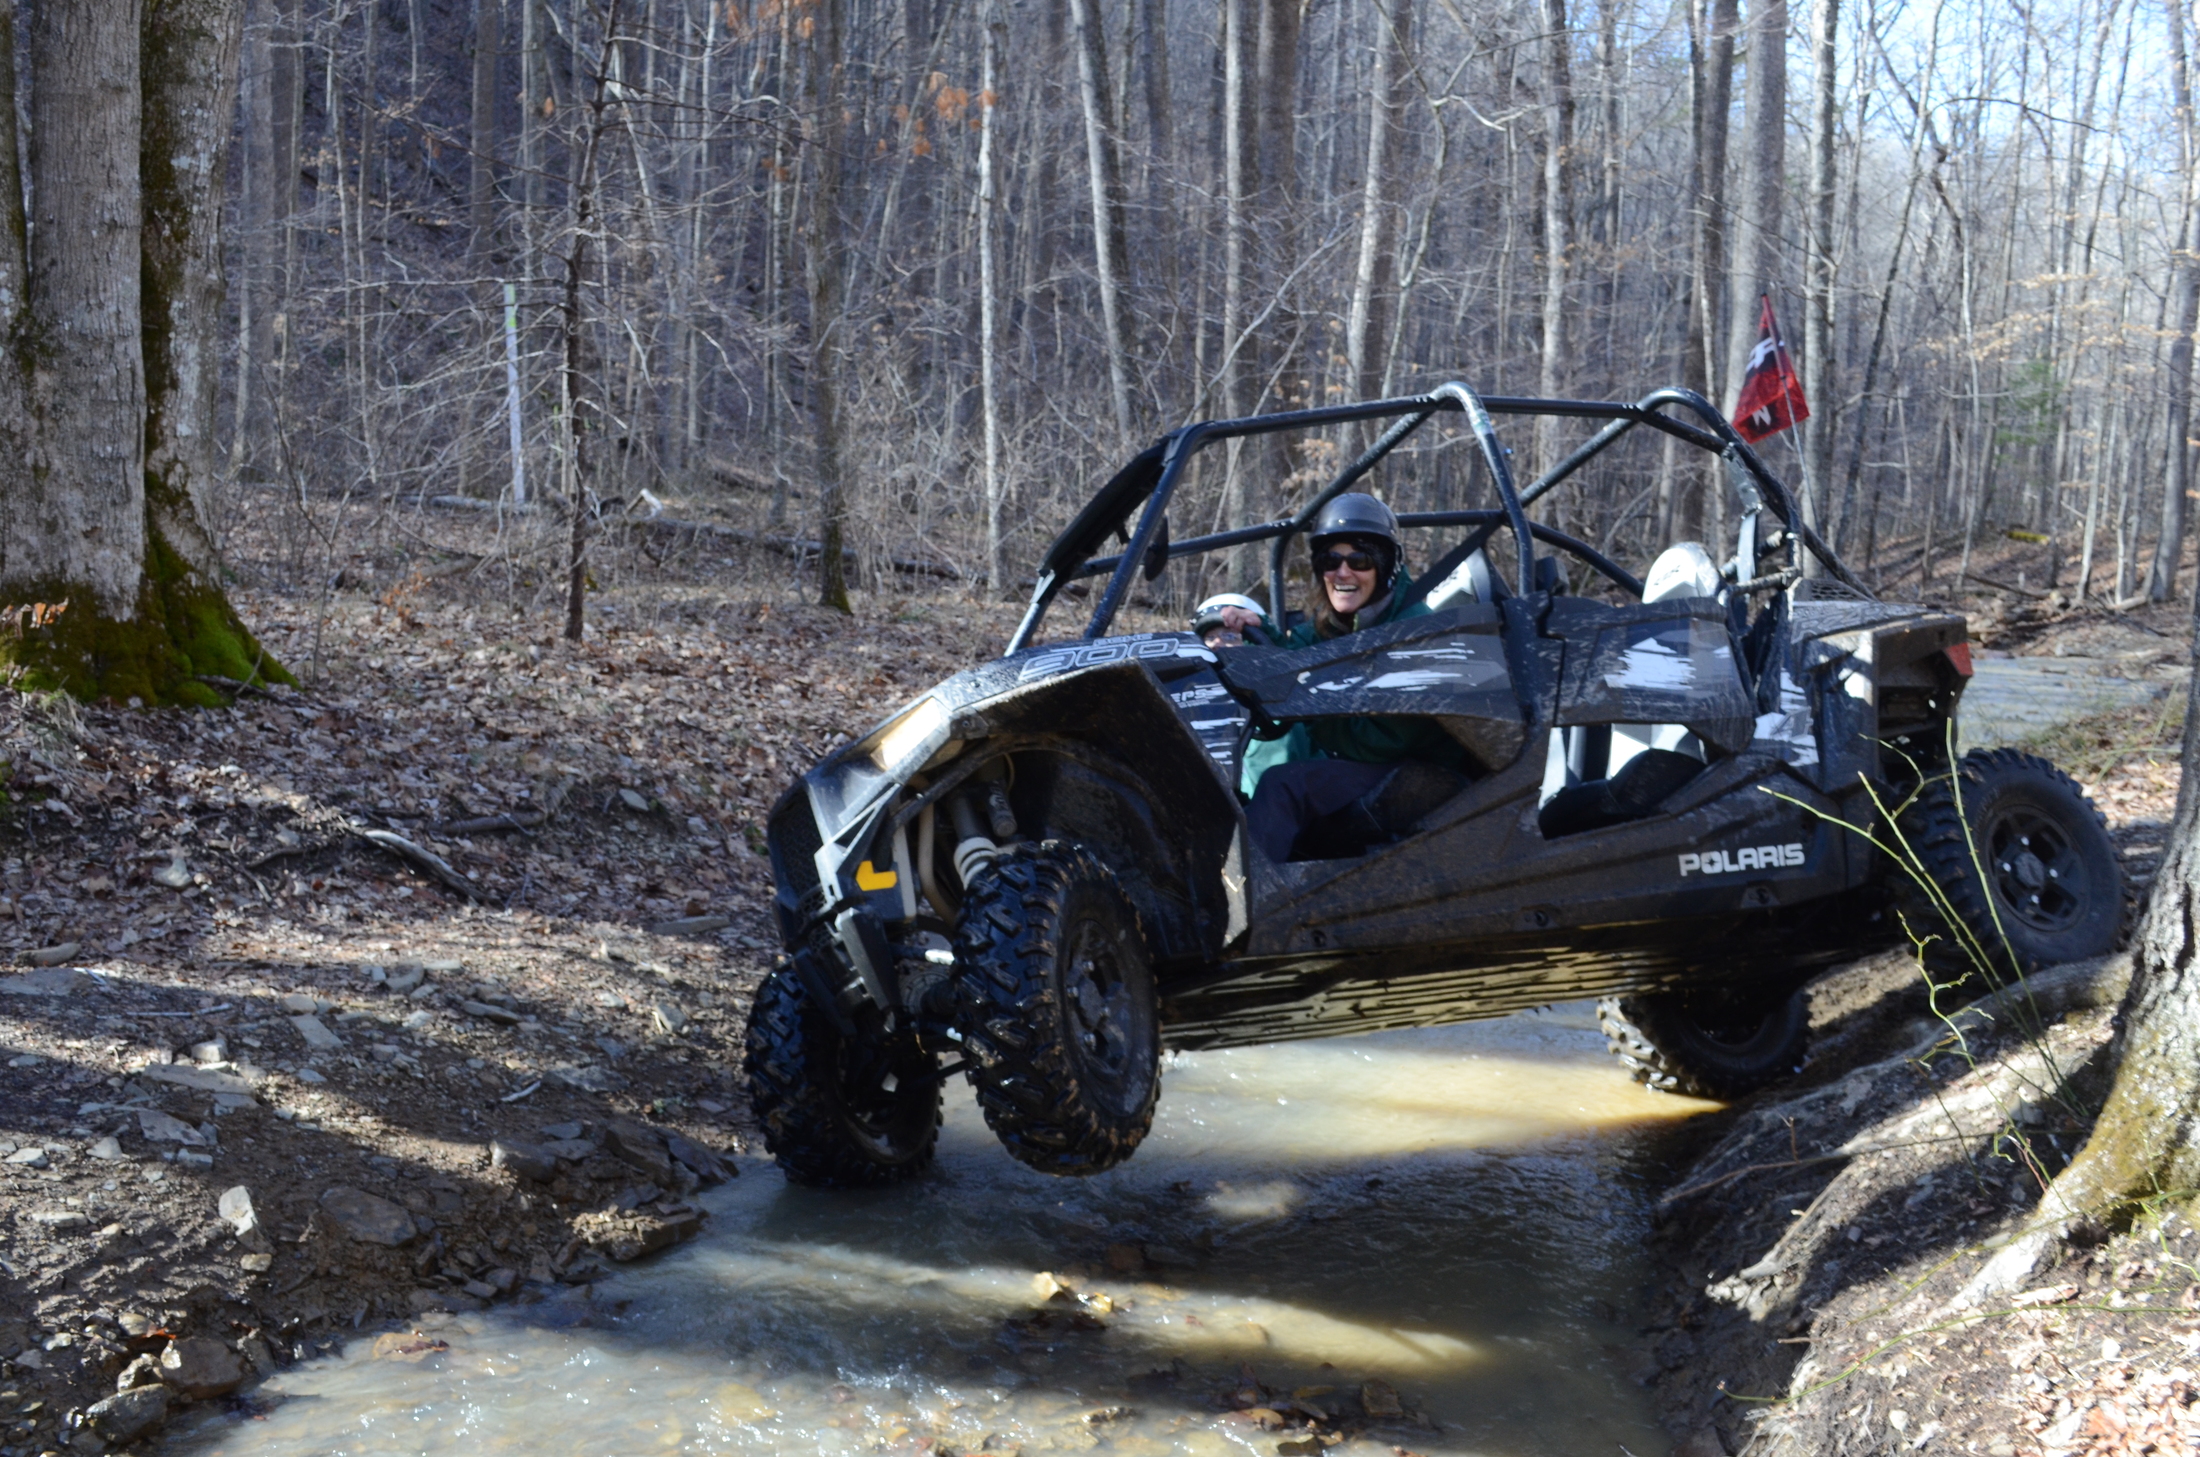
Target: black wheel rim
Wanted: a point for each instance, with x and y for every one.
(2035, 868)
(1101, 992)
(880, 1083)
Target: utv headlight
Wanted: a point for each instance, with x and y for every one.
(904, 744)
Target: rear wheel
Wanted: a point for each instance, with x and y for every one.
(837, 1111)
(2014, 868)
(1055, 1003)
(1705, 1046)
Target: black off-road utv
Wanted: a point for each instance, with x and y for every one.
(1038, 873)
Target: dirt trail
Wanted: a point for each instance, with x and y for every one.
(244, 992)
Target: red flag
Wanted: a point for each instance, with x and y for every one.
(1772, 397)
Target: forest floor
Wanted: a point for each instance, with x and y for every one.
(220, 983)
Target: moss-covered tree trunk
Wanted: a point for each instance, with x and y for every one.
(2146, 1142)
(111, 316)
(2147, 1139)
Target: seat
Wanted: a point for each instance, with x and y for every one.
(1607, 774)
(1632, 792)
(1471, 581)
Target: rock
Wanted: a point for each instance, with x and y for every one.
(236, 1208)
(629, 1236)
(635, 800)
(526, 1160)
(559, 1132)
(64, 981)
(612, 1047)
(1703, 1442)
(135, 1324)
(1380, 1399)
(410, 1347)
(640, 1146)
(422, 1301)
(142, 1371)
(308, 1075)
(442, 968)
(61, 1221)
(383, 1052)
(108, 1150)
(405, 976)
(234, 1102)
(587, 1078)
(198, 1367)
(691, 926)
(159, 1127)
(489, 1012)
(570, 1150)
(213, 1051)
(368, 1219)
(418, 1020)
(192, 1158)
(52, 955)
(502, 1279)
(176, 874)
(128, 1415)
(479, 1289)
(668, 1017)
(315, 1033)
(300, 1004)
(258, 1264)
(33, 1157)
(704, 1164)
(1126, 1259)
(198, 1079)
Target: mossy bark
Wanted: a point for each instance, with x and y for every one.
(105, 507)
(2146, 1142)
(183, 629)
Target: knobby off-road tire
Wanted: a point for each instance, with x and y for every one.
(1055, 1003)
(2052, 889)
(1704, 1049)
(839, 1112)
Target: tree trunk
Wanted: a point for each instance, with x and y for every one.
(106, 432)
(1558, 142)
(2169, 549)
(1365, 324)
(825, 251)
(1818, 376)
(481, 177)
(996, 564)
(1756, 267)
(1103, 176)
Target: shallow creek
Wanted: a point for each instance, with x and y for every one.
(1457, 1214)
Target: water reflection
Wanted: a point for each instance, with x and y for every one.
(1452, 1214)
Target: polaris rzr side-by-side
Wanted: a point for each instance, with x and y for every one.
(1039, 873)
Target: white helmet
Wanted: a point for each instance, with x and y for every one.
(1214, 605)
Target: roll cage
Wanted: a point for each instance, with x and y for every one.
(1151, 478)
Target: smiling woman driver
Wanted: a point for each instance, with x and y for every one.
(1313, 808)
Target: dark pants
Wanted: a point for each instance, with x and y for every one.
(1293, 797)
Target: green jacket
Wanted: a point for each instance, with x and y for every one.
(1364, 738)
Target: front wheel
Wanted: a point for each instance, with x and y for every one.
(1705, 1047)
(1055, 1003)
(837, 1111)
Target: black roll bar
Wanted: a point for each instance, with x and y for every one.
(1178, 447)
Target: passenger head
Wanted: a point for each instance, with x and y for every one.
(1222, 619)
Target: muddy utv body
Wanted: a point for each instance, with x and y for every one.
(1038, 873)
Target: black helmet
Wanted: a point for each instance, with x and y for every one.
(1362, 517)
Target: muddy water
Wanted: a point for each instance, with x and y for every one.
(1457, 1213)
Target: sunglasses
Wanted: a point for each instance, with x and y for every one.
(1329, 561)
